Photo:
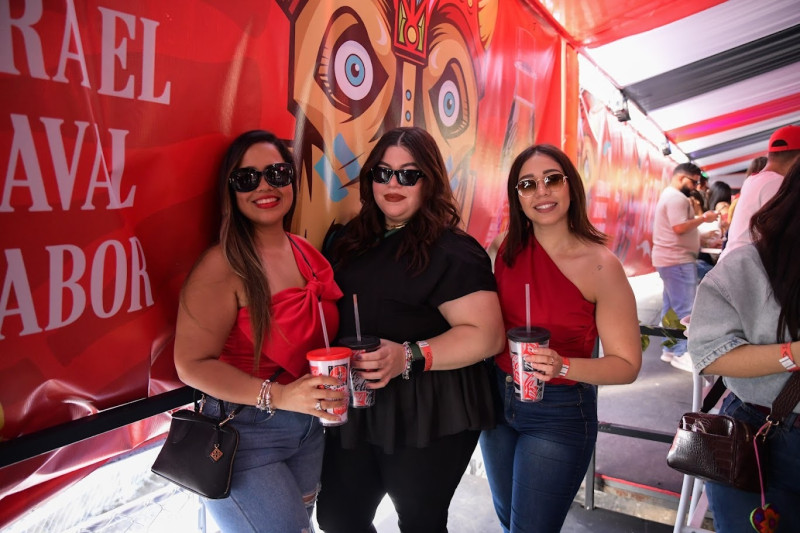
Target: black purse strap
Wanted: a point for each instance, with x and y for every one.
(782, 406)
(713, 395)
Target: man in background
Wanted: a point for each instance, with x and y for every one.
(784, 150)
(676, 243)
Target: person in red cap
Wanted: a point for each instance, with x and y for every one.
(784, 150)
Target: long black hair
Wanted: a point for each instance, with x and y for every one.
(776, 233)
(438, 211)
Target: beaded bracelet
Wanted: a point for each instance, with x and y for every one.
(264, 399)
(786, 358)
(409, 358)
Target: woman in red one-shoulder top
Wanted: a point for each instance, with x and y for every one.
(538, 454)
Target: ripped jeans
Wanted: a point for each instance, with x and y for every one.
(275, 474)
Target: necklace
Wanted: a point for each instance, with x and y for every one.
(396, 226)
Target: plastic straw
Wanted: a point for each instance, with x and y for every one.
(358, 323)
(528, 307)
(324, 328)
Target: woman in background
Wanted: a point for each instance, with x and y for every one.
(248, 314)
(746, 327)
(539, 452)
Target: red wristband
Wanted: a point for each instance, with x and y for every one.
(786, 358)
(564, 367)
(427, 353)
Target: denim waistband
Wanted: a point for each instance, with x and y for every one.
(791, 420)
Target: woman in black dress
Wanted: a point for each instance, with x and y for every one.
(425, 288)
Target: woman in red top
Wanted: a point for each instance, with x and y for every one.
(538, 454)
(248, 314)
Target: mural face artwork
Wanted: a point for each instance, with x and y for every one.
(357, 73)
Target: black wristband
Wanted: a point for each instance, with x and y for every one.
(418, 360)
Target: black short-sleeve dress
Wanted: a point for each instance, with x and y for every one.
(395, 305)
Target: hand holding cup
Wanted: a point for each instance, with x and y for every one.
(303, 395)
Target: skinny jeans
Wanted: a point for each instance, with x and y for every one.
(538, 454)
(277, 464)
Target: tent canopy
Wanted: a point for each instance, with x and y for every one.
(716, 77)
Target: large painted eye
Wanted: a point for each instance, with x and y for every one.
(449, 101)
(449, 106)
(352, 67)
(348, 69)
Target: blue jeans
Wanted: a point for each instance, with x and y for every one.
(680, 286)
(732, 507)
(278, 463)
(538, 454)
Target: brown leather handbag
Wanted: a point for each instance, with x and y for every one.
(720, 448)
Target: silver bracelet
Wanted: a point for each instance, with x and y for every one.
(409, 358)
(264, 399)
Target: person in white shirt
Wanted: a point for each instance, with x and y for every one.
(676, 243)
(784, 150)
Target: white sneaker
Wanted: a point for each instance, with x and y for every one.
(683, 362)
(666, 356)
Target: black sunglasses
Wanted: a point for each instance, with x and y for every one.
(407, 177)
(247, 179)
(552, 182)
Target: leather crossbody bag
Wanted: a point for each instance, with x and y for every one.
(720, 448)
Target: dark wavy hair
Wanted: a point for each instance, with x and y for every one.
(776, 231)
(438, 210)
(720, 192)
(520, 228)
(236, 234)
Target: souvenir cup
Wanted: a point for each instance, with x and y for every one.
(360, 395)
(521, 342)
(334, 362)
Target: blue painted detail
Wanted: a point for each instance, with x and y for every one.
(329, 178)
(346, 156)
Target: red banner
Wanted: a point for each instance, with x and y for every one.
(114, 119)
(624, 176)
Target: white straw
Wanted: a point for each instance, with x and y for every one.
(528, 307)
(358, 323)
(324, 328)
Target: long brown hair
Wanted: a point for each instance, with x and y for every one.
(776, 234)
(438, 210)
(520, 228)
(236, 235)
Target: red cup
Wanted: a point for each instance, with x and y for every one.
(521, 342)
(360, 395)
(334, 362)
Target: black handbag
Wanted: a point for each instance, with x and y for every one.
(198, 452)
(720, 448)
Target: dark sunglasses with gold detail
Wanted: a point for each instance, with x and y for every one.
(247, 179)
